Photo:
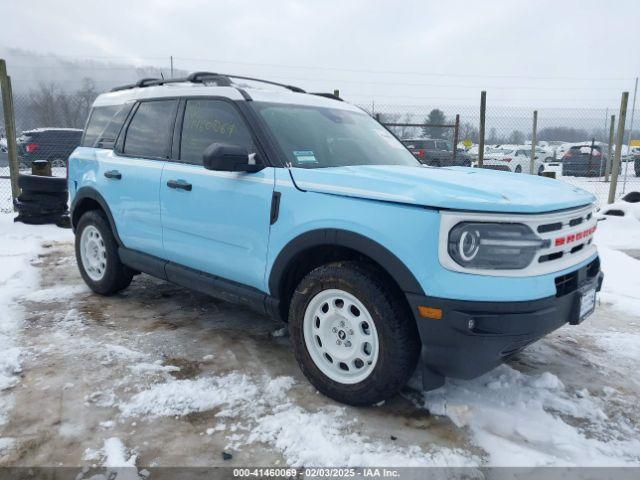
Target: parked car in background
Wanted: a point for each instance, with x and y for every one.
(436, 152)
(636, 164)
(52, 144)
(512, 159)
(585, 160)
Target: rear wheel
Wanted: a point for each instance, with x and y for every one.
(518, 169)
(540, 169)
(352, 337)
(97, 255)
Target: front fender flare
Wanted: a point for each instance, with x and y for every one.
(342, 238)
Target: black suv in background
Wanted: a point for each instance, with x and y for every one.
(584, 161)
(53, 144)
(436, 152)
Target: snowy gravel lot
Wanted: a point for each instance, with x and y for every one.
(161, 376)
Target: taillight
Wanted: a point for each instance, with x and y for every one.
(31, 147)
(420, 153)
(506, 159)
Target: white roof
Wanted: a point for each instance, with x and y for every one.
(188, 89)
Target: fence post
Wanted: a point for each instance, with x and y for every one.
(483, 110)
(9, 127)
(456, 132)
(532, 165)
(612, 130)
(615, 167)
(336, 93)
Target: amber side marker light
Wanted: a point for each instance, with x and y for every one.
(430, 312)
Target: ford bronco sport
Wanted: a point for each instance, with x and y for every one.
(303, 207)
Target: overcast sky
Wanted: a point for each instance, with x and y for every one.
(545, 52)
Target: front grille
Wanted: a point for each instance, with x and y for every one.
(566, 284)
(570, 282)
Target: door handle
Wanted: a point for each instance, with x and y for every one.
(181, 184)
(114, 174)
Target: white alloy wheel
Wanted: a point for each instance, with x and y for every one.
(340, 336)
(93, 253)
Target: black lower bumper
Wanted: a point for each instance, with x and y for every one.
(473, 337)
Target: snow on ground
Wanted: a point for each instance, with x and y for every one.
(537, 410)
(19, 244)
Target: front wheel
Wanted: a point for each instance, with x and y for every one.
(97, 255)
(518, 169)
(352, 337)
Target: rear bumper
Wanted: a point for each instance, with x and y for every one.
(450, 348)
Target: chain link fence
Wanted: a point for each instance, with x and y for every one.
(572, 144)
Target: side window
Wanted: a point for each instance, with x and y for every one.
(98, 119)
(430, 145)
(149, 131)
(211, 121)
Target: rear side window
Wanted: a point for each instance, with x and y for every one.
(107, 138)
(211, 121)
(98, 120)
(150, 129)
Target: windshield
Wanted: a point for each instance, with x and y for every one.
(319, 137)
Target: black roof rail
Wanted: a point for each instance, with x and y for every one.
(327, 95)
(222, 79)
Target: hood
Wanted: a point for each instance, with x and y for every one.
(456, 188)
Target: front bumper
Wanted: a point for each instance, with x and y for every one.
(450, 348)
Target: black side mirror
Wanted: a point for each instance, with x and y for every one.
(230, 158)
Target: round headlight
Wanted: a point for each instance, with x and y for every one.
(469, 245)
(495, 246)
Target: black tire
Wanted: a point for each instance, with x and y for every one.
(36, 183)
(44, 198)
(36, 208)
(399, 344)
(117, 276)
(540, 170)
(518, 169)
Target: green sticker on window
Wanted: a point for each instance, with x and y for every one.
(305, 156)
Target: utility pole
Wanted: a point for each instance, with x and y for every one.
(9, 127)
(633, 110)
(456, 133)
(171, 63)
(483, 111)
(615, 167)
(532, 165)
(612, 131)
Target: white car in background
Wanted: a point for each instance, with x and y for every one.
(513, 159)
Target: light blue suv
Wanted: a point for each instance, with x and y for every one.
(303, 207)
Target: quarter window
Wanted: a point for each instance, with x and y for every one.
(98, 120)
(211, 121)
(150, 129)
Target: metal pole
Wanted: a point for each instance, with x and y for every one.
(483, 111)
(171, 62)
(336, 93)
(532, 164)
(612, 131)
(10, 128)
(603, 167)
(456, 130)
(615, 167)
(633, 110)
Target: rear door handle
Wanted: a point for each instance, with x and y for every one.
(181, 184)
(114, 174)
